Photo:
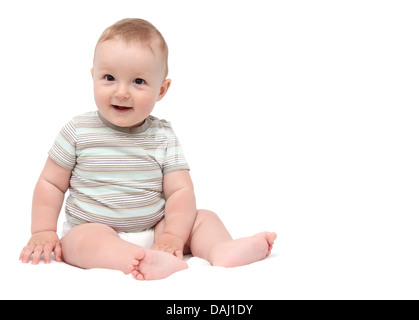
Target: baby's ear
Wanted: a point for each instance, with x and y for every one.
(163, 89)
(91, 71)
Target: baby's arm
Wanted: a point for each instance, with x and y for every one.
(180, 212)
(46, 206)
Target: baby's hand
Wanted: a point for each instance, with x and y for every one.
(44, 242)
(170, 244)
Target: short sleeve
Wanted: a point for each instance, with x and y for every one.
(63, 152)
(174, 158)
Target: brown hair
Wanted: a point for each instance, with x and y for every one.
(140, 31)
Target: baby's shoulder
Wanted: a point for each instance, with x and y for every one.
(88, 118)
(156, 124)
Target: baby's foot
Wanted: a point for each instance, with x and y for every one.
(244, 251)
(154, 265)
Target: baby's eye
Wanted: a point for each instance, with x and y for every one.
(108, 77)
(139, 81)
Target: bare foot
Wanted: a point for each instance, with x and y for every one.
(154, 265)
(243, 251)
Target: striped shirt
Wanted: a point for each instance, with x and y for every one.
(117, 173)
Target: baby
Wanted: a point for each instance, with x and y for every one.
(131, 203)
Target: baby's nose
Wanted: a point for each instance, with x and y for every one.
(122, 92)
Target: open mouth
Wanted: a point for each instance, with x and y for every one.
(121, 108)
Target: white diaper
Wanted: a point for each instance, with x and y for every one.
(143, 239)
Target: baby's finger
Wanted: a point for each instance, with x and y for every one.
(21, 254)
(179, 254)
(47, 253)
(26, 253)
(58, 252)
(37, 254)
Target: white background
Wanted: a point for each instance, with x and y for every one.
(299, 117)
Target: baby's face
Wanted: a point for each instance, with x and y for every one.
(128, 81)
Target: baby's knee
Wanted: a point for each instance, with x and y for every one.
(77, 237)
(206, 215)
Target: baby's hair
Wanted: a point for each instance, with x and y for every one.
(139, 31)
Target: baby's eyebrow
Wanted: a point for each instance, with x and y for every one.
(104, 69)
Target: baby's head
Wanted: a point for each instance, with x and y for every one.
(129, 71)
(138, 31)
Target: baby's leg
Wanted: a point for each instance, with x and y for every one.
(94, 245)
(211, 241)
